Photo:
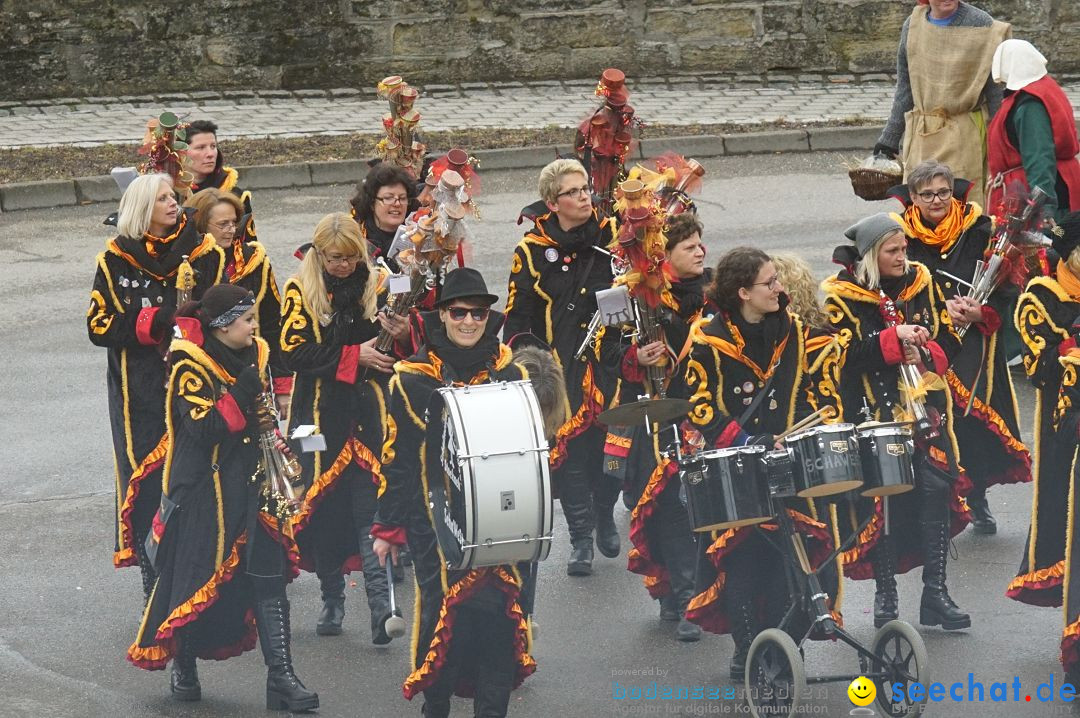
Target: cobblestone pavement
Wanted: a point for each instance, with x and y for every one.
(720, 99)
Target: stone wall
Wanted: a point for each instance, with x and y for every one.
(54, 48)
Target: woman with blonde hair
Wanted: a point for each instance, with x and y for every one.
(328, 332)
(132, 304)
(802, 289)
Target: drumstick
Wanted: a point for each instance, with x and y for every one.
(395, 624)
(805, 423)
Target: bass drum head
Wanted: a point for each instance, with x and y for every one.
(446, 479)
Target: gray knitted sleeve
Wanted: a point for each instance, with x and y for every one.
(902, 99)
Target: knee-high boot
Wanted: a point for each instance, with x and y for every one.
(376, 587)
(886, 601)
(146, 568)
(741, 612)
(577, 502)
(284, 691)
(333, 610)
(937, 607)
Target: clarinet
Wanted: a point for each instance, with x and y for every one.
(911, 376)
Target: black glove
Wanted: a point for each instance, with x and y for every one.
(1066, 239)
(247, 387)
(162, 324)
(883, 150)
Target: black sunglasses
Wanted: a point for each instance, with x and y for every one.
(479, 314)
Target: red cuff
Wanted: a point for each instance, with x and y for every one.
(891, 349)
(937, 355)
(142, 326)
(1066, 346)
(283, 384)
(230, 412)
(348, 364)
(631, 370)
(728, 435)
(991, 321)
(390, 534)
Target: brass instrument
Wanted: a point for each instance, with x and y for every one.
(278, 467)
(912, 378)
(185, 282)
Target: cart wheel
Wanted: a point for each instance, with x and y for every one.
(775, 677)
(903, 658)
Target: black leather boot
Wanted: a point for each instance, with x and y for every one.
(581, 556)
(149, 575)
(886, 602)
(607, 533)
(669, 607)
(284, 691)
(937, 607)
(333, 610)
(740, 608)
(982, 521)
(184, 678)
(376, 587)
(491, 701)
(577, 503)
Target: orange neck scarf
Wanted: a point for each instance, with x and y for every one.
(948, 230)
(1068, 281)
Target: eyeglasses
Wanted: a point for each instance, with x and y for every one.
(942, 194)
(339, 259)
(574, 193)
(770, 283)
(479, 314)
(231, 226)
(397, 199)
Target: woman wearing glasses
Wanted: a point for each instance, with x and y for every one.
(554, 275)
(381, 204)
(949, 235)
(471, 633)
(328, 333)
(221, 214)
(747, 381)
(890, 312)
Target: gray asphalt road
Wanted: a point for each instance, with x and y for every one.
(67, 617)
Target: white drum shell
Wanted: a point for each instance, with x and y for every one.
(502, 458)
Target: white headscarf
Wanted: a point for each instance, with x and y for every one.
(1018, 64)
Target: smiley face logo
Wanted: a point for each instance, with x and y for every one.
(862, 691)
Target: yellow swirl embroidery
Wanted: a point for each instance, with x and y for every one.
(696, 376)
(295, 321)
(100, 318)
(190, 386)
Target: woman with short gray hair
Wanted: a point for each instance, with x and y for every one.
(950, 235)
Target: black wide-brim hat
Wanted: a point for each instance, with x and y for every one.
(462, 283)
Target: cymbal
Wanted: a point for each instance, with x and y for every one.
(638, 412)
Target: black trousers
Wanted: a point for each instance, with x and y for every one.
(483, 646)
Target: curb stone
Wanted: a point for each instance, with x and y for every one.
(86, 190)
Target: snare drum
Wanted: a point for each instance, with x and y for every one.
(826, 460)
(779, 468)
(725, 488)
(487, 474)
(886, 453)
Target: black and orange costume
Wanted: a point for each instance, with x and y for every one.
(131, 307)
(248, 266)
(471, 632)
(987, 434)
(554, 276)
(330, 391)
(920, 521)
(663, 546)
(1046, 315)
(223, 562)
(741, 581)
(1068, 436)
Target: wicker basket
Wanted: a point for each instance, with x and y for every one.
(872, 185)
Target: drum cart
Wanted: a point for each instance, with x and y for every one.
(776, 679)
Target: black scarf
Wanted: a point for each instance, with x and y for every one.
(232, 361)
(576, 239)
(690, 294)
(463, 363)
(345, 292)
(893, 286)
(378, 238)
(169, 254)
